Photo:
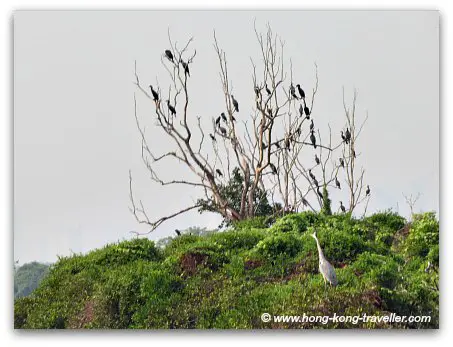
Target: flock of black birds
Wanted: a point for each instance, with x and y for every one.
(303, 111)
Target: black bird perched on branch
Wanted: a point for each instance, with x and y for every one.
(301, 91)
(312, 125)
(315, 181)
(257, 92)
(307, 112)
(217, 121)
(155, 94)
(301, 110)
(171, 108)
(273, 168)
(235, 103)
(268, 91)
(319, 193)
(177, 232)
(313, 139)
(169, 55)
(343, 137)
(348, 135)
(341, 162)
(337, 183)
(353, 153)
(292, 91)
(317, 159)
(213, 137)
(222, 130)
(287, 144)
(185, 66)
(368, 190)
(277, 144)
(219, 172)
(223, 117)
(311, 174)
(304, 202)
(343, 209)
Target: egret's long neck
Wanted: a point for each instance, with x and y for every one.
(321, 255)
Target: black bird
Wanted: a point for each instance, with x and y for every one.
(268, 91)
(317, 159)
(301, 91)
(307, 112)
(304, 202)
(169, 55)
(287, 144)
(312, 125)
(301, 110)
(185, 66)
(343, 209)
(277, 144)
(223, 117)
(292, 91)
(274, 169)
(233, 119)
(155, 94)
(217, 121)
(257, 92)
(264, 145)
(235, 103)
(171, 108)
(348, 135)
(353, 153)
(368, 190)
(337, 183)
(341, 162)
(213, 137)
(298, 130)
(315, 181)
(219, 172)
(311, 174)
(313, 139)
(177, 232)
(319, 193)
(343, 137)
(269, 111)
(222, 130)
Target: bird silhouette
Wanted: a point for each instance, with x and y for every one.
(347, 135)
(292, 91)
(368, 190)
(341, 162)
(307, 112)
(169, 55)
(312, 125)
(219, 172)
(268, 91)
(317, 159)
(311, 174)
(343, 209)
(313, 139)
(223, 117)
(171, 108)
(337, 183)
(185, 66)
(319, 193)
(325, 268)
(178, 233)
(257, 92)
(301, 91)
(273, 168)
(222, 130)
(235, 103)
(217, 121)
(155, 94)
(301, 110)
(213, 137)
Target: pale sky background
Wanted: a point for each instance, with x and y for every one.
(75, 137)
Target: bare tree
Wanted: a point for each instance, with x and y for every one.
(263, 149)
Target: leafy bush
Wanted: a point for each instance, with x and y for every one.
(423, 235)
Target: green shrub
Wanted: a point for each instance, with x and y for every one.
(423, 235)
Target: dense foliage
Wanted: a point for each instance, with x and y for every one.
(228, 279)
(27, 278)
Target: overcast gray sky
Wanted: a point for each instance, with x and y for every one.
(75, 137)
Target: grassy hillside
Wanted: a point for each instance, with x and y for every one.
(27, 278)
(228, 279)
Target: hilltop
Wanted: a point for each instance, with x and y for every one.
(228, 279)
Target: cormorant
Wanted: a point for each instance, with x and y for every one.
(301, 91)
(337, 183)
(319, 193)
(317, 159)
(301, 110)
(185, 66)
(171, 108)
(213, 137)
(287, 144)
(312, 125)
(222, 130)
(343, 209)
(307, 112)
(368, 190)
(341, 162)
(264, 145)
(257, 92)
(348, 135)
(343, 137)
(217, 121)
(155, 94)
(313, 139)
(169, 55)
(235, 103)
(268, 91)
(315, 181)
(353, 153)
(178, 233)
(311, 174)
(292, 91)
(277, 144)
(233, 119)
(219, 172)
(274, 169)
(304, 202)
(223, 117)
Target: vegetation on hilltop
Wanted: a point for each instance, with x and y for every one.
(226, 280)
